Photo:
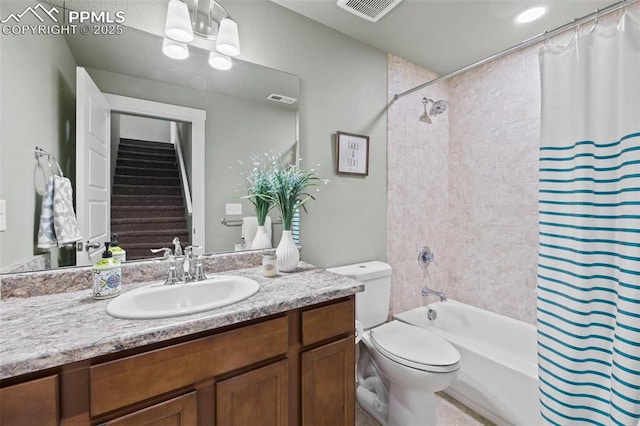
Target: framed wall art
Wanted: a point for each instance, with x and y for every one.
(352, 153)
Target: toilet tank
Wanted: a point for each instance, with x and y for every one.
(372, 305)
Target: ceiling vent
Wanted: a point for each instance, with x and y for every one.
(371, 10)
(281, 98)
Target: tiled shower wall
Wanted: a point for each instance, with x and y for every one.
(418, 179)
(466, 185)
(493, 185)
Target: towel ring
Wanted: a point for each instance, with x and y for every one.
(39, 152)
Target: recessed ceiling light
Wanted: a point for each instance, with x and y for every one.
(531, 14)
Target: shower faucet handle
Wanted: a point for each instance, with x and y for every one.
(425, 257)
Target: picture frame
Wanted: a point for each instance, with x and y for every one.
(352, 154)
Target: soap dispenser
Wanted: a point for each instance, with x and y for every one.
(107, 275)
(119, 253)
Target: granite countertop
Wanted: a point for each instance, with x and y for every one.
(41, 332)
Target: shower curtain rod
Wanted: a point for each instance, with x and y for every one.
(529, 42)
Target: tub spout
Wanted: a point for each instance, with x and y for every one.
(426, 291)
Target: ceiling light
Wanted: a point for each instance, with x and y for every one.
(531, 14)
(227, 41)
(178, 24)
(175, 49)
(219, 61)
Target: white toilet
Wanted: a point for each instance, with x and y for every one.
(400, 366)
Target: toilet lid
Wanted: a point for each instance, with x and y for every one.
(415, 347)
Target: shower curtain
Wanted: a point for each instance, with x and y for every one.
(588, 306)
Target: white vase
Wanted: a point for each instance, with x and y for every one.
(287, 253)
(261, 240)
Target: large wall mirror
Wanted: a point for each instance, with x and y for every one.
(38, 108)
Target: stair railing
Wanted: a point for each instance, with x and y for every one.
(175, 139)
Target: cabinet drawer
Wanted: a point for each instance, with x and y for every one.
(133, 379)
(30, 403)
(328, 321)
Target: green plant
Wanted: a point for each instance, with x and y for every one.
(289, 185)
(258, 183)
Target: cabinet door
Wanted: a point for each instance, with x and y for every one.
(257, 398)
(180, 411)
(30, 403)
(328, 384)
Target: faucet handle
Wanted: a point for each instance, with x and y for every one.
(167, 252)
(425, 257)
(172, 275)
(199, 270)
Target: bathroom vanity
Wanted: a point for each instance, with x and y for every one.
(285, 356)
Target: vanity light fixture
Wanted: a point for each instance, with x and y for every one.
(227, 42)
(178, 24)
(175, 49)
(219, 61)
(207, 20)
(531, 14)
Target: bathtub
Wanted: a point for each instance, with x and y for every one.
(499, 375)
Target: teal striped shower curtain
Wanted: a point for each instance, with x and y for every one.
(589, 252)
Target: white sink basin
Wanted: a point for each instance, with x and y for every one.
(163, 301)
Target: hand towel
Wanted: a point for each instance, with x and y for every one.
(46, 232)
(64, 217)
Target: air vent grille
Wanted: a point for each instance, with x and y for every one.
(371, 10)
(281, 98)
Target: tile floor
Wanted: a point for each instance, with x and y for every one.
(450, 413)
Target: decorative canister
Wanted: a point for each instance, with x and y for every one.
(107, 276)
(269, 265)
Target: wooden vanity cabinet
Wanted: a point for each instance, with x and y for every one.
(295, 368)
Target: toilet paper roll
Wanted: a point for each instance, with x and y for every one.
(359, 331)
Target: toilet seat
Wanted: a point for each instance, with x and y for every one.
(415, 347)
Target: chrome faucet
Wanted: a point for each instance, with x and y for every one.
(182, 267)
(426, 291)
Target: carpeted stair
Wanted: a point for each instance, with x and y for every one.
(147, 205)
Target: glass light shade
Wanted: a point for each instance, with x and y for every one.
(531, 14)
(175, 49)
(219, 61)
(227, 41)
(178, 24)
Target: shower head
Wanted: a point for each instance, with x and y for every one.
(437, 108)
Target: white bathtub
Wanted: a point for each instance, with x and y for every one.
(499, 375)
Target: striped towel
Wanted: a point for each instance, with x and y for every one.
(46, 232)
(58, 226)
